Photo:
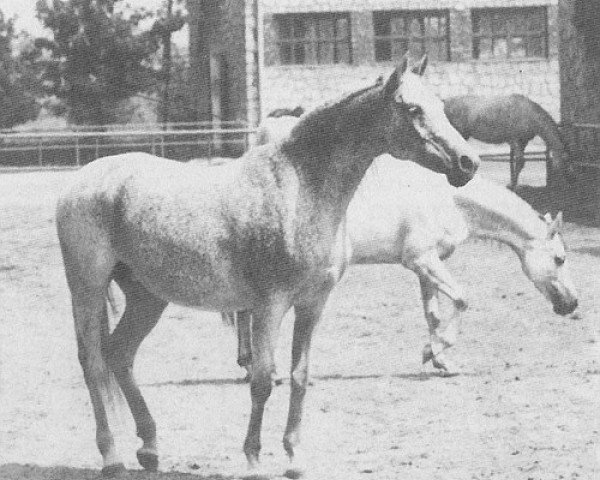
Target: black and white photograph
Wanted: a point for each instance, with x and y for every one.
(300, 239)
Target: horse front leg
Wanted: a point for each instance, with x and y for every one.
(517, 162)
(266, 322)
(307, 317)
(434, 277)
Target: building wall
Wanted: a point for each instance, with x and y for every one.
(310, 85)
(224, 59)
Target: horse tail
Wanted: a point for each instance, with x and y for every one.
(90, 303)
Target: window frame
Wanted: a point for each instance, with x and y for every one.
(477, 34)
(424, 40)
(316, 41)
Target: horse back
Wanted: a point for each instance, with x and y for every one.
(213, 237)
(494, 119)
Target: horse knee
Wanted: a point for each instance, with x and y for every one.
(116, 359)
(261, 386)
(299, 379)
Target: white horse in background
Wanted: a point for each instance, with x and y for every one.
(403, 213)
(278, 124)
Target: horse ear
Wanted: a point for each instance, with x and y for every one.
(558, 221)
(392, 84)
(555, 226)
(403, 65)
(420, 67)
(547, 218)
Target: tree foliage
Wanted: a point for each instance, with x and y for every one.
(98, 56)
(17, 104)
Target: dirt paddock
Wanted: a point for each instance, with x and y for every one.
(525, 407)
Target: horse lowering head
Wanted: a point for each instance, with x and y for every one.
(544, 262)
(429, 138)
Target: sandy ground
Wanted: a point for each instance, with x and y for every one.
(526, 406)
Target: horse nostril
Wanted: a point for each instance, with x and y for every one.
(466, 164)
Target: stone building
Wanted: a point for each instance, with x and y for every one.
(317, 49)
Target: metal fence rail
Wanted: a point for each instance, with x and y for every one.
(75, 148)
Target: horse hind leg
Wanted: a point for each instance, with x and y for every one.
(142, 311)
(517, 161)
(243, 323)
(88, 296)
(266, 322)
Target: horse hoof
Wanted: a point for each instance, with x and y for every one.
(112, 471)
(148, 460)
(445, 367)
(427, 353)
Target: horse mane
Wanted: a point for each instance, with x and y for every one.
(339, 122)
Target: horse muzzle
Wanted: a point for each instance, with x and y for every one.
(562, 305)
(463, 170)
(565, 308)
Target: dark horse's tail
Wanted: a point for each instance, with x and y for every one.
(555, 140)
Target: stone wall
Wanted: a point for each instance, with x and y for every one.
(310, 86)
(290, 85)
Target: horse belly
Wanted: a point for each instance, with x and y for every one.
(198, 283)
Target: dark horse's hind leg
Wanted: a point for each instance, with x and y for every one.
(142, 311)
(517, 161)
(243, 325)
(244, 332)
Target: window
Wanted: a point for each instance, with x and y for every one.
(314, 38)
(415, 32)
(510, 33)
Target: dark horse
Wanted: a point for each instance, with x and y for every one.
(259, 235)
(512, 119)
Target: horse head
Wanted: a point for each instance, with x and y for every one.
(544, 262)
(428, 137)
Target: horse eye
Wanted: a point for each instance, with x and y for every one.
(559, 260)
(415, 110)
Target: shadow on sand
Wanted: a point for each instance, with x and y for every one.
(413, 377)
(580, 202)
(13, 471)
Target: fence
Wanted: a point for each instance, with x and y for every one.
(181, 141)
(184, 141)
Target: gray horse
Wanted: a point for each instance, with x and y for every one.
(258, 235)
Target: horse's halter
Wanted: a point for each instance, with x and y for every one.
(415, 114)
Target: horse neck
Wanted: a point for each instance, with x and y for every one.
(493, 212)
(333, 146)
(549, 132)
